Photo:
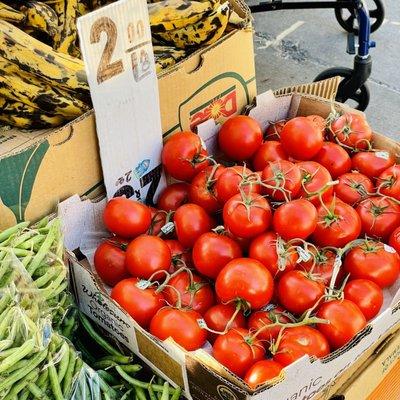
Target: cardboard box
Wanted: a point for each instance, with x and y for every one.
(201, 375)
(39, 169)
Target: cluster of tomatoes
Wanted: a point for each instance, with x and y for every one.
(281, 251)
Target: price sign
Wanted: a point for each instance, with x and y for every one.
(118, 55)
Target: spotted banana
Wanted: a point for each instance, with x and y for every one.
(167, 56)
(10, 14)
(69, 33)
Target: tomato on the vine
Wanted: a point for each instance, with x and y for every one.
(282, 180)
(374, 261)
(183, 156)
(238, 351)
(319, 121)
(126, 218)
(173, 196)
(232, 180)
(217, 318)
(388, 182)
(298, 291)
(248, 215)
(202, 188)
(109, 262)
(273, 132)
(262, 372)
(191, 221)
(352, 131)
(299, 341)
(194, 292)
(141, 303)
(295, 219)
(394, 240)
(366, 294)
(273, 253)
(240, 137)
(345, 321)
(338, 223)
(353, 187)
(182, 325)
(380, 216)
(301, 138)
(158, 220)
(269, 151)
(180, 257)
(245, 280)
(372, 163)
(334, 158)
(212, 251)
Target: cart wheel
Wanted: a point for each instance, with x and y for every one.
(360, 97)
(348, 21)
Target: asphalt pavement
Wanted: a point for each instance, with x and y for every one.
(294, 46)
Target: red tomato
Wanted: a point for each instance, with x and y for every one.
(158, 220)
(353, 187)
(321, 264)
(394, 240)
(212, 252)
(367, 295)
(302, 218)
(262, 372)
(202, 188)
(345, 321)
(247, 217)
(374, 261)
(273, 253)
(240, 137)
(217, 318)
(319, 121)
(283, 179)
(183, 156)
(297, 291)
(315, 178)
(179, 256)
(269, 151)
(388, 182)
(334, 158)
(181, 325)
(270, 315)
(380, 216)
(196, 294)
(141, 304)
(237, 351)
(351, 130)
(191, 221)
(126, 218)
(229, 182)
(109, 261)
(372, 163)
(299, 341)
(273, 132)
(173, 196)
(338, 224)
(301, 138)
(146, 255)
(246, 280)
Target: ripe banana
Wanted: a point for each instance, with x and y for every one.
(36, 58)
(169, 15)
(9, 14)
(167, 56)
(69, 33)
(204, 32)
(22, 116)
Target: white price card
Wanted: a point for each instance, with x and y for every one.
(118, 55)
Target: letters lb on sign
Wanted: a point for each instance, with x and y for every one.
(118, 55)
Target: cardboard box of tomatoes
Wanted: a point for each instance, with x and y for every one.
(206, 373)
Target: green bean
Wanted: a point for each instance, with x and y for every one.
(37, 392)
(48, 291)
(23, 237)
(104, 386)
(140, 393)
(18, 365)
(42, 380)
(32, 243)
(57, 290)
(94, 335)
(5, 300)
(151, 393)
(54, 382)
(27, 259)
(64, 362)
(17, 375)
(7, 278)
(82, 349)
(107, 377)
(78, 366)
(24, 394)
(177, 394)
(117, 359)
(6, 321)
(135, 382)
(104, 364)
(165, 392)
(69, 323)
(14, 229)
(23, 351)
(131, 369)
(19, 386)
(44, 279)
(69, 374)
(126, 395)
(42, 224)
(6, 353)
(17, 252)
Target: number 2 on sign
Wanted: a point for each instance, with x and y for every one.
(106, 69)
